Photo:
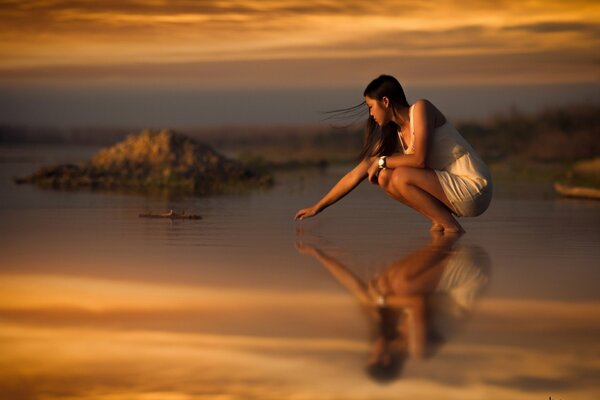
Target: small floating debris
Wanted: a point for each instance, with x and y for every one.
(172, 215)
(577, 191)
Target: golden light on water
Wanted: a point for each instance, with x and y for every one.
(43, 350)
(93, 294)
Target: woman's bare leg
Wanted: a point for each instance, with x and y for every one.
(420, 189)
(383, 181)
(385, 177)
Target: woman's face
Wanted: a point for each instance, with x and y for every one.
(379, 110)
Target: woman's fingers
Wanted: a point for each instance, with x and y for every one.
(302, 213)
(374, 176)
(305, 213)
(374, 173)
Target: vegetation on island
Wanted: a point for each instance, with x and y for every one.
(150, 160)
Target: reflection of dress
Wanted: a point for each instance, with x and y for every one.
(464, 278)
(464, 177)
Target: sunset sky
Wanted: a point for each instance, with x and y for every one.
(296, 44)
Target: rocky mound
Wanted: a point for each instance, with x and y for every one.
(153, 160)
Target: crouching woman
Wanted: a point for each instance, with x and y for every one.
(417, 157)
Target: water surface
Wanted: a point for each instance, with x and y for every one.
(98, 303)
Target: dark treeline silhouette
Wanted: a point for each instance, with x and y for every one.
(563, 134)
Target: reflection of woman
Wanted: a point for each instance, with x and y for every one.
(414, 300)
(418, 158)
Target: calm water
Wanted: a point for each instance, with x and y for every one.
(247, 303)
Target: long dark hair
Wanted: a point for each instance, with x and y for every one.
(382, 141)
(388, 370)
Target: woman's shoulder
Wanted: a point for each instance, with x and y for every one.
(424, 103)
(428, 108)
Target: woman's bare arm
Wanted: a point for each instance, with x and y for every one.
(344, 186)
(424, 123)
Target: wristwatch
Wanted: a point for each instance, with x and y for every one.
(381, 162)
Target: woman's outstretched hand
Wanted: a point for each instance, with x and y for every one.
(307, 212)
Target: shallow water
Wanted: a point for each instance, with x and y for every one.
(98, 303)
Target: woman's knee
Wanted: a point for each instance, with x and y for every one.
(383, 179)
(401, 178)
(396, 177)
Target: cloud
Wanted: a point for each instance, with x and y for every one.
(519, 67)
(116, 37)
(213, 7)
(557, 27)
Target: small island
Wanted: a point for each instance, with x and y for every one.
(151, 161)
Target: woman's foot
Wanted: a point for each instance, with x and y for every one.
(451, 225)
(436, 227)
(450, 228)
(454, 229)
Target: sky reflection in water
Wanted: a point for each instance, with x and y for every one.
(99, 304)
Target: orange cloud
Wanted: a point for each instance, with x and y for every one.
(38, 36)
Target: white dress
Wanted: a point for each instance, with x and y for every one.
(464, 177)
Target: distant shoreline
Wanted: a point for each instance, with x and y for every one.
(542, 145)
(565, 133)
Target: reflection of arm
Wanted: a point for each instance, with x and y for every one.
(346, 277)
(345, 185)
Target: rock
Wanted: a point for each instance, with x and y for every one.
(589, 167)
(581, 180)
(153, 160)
(575, 191)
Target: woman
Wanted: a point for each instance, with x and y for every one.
(415, 155)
